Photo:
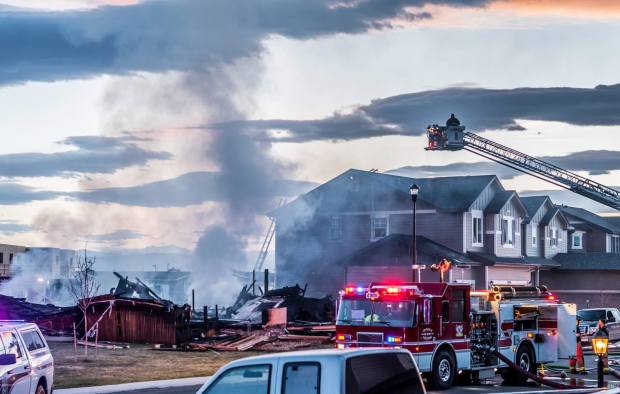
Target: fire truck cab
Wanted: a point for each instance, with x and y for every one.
(451, 329)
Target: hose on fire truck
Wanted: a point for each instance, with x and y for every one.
(535, 378)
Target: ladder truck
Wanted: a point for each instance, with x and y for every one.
(452, 330)
(453, 136)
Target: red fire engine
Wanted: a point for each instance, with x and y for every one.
(451, 329)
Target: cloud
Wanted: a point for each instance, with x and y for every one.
(478, 109)
(94, 155)
(195, 188)
(594, 162)
(12, 227)
(160, 35)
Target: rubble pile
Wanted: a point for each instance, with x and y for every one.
(280, 319)
(299, 308)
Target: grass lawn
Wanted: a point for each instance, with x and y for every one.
(140, 363)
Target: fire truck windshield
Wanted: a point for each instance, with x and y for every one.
(373, 313)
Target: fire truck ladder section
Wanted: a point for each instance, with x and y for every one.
(453, 137)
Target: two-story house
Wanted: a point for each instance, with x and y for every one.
(357, 227)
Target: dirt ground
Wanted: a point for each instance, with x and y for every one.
(139, 363)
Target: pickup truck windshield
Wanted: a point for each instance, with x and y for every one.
(371, 313)
(592, 315)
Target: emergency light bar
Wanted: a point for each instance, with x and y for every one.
(355, 290)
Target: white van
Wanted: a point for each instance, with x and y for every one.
(26, 363)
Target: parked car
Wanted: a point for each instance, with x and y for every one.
(26, 363)
(334, 371)
(589, 320)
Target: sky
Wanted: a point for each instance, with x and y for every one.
(180, 123)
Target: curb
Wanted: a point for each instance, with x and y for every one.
(116, 388)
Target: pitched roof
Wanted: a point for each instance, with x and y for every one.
(451, 194)
(553, 212)
(490, 259)
(533, 203)
(501, 199)
(591, 218)
(588, 261)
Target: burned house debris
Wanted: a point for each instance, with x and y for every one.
(253, 309)
(134, 313)
(279, 319)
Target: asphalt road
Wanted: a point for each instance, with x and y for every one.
(176, 390)
(491, 388)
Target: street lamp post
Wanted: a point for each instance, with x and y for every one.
(599, 345)
(414, 189)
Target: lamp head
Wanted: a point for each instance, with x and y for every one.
(414, 189)
(599, 343)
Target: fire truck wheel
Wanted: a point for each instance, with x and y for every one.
(444, 370)
(525, 360)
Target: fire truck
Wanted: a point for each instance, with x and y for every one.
(454, 331)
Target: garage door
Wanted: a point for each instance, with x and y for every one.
(509, 275)
(363, 275)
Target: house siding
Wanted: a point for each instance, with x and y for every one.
(585, 288)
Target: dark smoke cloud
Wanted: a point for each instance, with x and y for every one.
(94, 155)
(197, 187)
(182, 35)
(595, 162)
(478, 109)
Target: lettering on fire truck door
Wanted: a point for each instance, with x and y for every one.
(426, 330)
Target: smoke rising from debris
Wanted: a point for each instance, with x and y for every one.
(203, 61)
(40, 275)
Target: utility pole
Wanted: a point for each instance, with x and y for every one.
(414, 189)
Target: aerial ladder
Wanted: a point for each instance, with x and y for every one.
(453, 137)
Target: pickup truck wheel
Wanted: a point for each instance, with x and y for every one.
(444, 370)
(41, 389)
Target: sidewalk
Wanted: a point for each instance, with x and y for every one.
(156, 384)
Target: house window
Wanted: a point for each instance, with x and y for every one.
(335, 228)
(379, 227)
(508, 231)
(615, 244)
(577, 240)
(534, 235)
(553, 237)
(477, 229)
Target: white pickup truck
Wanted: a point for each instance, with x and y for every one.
(327, 371)
(26, 364)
